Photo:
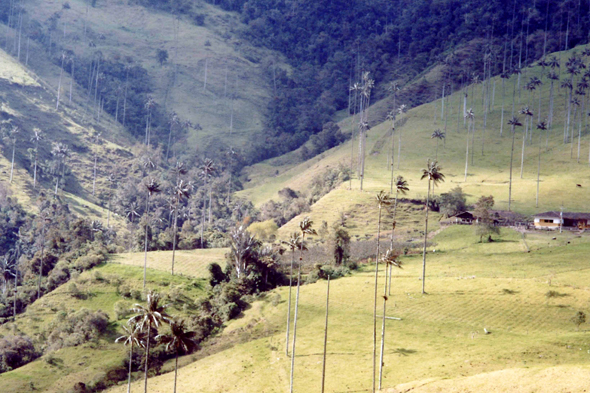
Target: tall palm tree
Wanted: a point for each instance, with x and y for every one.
(63, 59)
(149, 317)
(179, 340)
(152, 187)
(401, 187)
(173, 121)
(576, 104)
(365, 94)
(305, 227)
(541, 127)
(391, 117)
(528, 118)
(46, 220)
(468, 115)
(61, 152)
(181, 191)
(293, 243)
(382, 200)
(514, 122)
(36, 138)
(503, 76)
(325, 336)
(433, 175)
(133, 336)
(14, 131)
(390, 259)
(552, 76)
(131, 211)
(207, 171)
(149, 105)
(96, 142)
(401, 110)
(438, 135)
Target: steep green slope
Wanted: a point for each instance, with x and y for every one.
(487, 174)
(105, 288)
(211, 78)
(471, 286)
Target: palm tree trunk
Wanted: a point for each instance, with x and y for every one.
(174, 236)
(12, 162)
(392, 157)
(383, 327)
(502, 115)
(522, 153)
(41, 261)
(203, 215)
(425, 238)
(129, 374)
(511, 160)
(466, 158)
(35, 170)
(399, 148)
(538, 170)
(94, 174)
(147, 357)
(145, 242)
(375, 304)
(175, 370)
(326, 335)
(289, 303)
(296, 313)
(210, 190)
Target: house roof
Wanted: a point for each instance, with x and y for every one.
(566, 215)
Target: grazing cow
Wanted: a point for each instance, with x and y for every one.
(579, 185)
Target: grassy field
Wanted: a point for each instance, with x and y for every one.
(440, 344)
(191, 263)
(92, 361)
(488, 174)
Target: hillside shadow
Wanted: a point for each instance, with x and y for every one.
(404, 351)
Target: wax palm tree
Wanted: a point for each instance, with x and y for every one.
(179, 340)
(401, 187)
(96, 142)
(390, 260)
(149, 105)
(572, 69)
(541, 127)
(401, 110)
(537, 83)
(152, 187)
(46, 220)
(528, 114)
(365, 94)
(391, 117)
(207, 171)
(305, 227)
(576, 104)
(149, 317)
(63, 59)
(173, 121)
(36, 138)
(503, 76)
(181, 191)
(60, 152)
(293, 243)
(552, 76)
(438, 135)
(514, 122)
(133, 336)
(7, 272)
(382, 200)
(468, 115)
(433, 175)
(12, 137)
(131, 211)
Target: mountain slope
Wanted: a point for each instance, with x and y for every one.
(489, 172)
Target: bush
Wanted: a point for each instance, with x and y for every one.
(16, 351)
(75, 328)
(122, 309)
(89, 261)
(265, 230)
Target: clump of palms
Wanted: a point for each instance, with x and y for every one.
(434, 176)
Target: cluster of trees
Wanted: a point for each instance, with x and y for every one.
(39, 253)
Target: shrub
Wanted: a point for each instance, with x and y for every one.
(122, 309)
(265, 230)
(89, 261)
(16, 351)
